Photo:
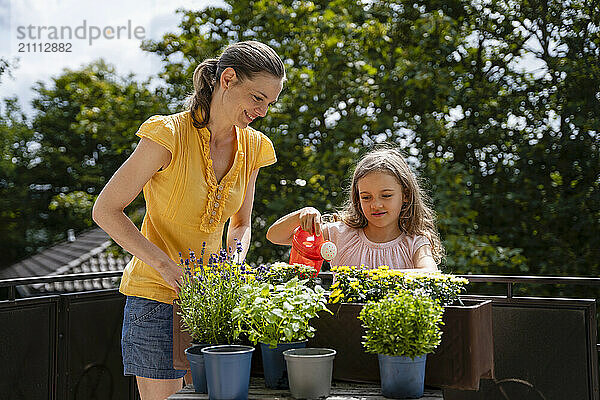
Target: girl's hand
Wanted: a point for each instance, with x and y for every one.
(310, 220)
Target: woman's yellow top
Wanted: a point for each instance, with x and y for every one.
(185, 205)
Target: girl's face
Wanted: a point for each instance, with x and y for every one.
(246, 100)
(381, 199)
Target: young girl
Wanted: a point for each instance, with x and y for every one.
(386, 220)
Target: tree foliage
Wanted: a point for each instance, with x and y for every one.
(496, 103)
(56, 163)
(16, 205)
(511, 153)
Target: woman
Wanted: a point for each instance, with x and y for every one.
(197, 169)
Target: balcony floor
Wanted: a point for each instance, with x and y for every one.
(339, 391)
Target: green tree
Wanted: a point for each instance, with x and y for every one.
(16, 205)
(55, 164)
(86, 120)
(357, 74)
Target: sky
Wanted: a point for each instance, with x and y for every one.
(28, 24)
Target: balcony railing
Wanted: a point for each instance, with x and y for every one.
(68, 345)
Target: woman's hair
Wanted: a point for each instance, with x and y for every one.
(247, 59)
(416, 216)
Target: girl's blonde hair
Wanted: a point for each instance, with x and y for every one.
(416, 217)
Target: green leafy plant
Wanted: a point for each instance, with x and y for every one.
(274, 314)
(360, 285)
(404, 324)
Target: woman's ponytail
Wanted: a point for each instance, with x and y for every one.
(204, 84)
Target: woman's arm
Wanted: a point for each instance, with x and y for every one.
(240, 225)
(308, 218)
(119, 192)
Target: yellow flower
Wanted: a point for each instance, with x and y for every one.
(337, 284)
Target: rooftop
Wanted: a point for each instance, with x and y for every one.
(88, 252)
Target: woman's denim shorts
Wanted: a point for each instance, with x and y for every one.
(147, 339)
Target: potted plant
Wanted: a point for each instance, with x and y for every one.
(466, 352)
(455, 363)
(281, 272)
(207, 296)
(277, 317)
(402, 329)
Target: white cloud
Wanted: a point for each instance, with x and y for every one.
(156, 17)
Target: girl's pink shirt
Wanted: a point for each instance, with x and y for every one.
(354, 249)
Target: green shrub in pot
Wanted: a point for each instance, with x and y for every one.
(403, 324)
(402, 329)
(273, 314)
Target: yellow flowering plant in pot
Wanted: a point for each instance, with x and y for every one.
(360, 285)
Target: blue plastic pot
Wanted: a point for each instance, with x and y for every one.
(402, 377)
(227, 371)
(274, 367)
(196, 359)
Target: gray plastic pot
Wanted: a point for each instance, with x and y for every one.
(309, 372)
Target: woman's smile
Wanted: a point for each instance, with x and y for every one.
(250, 118)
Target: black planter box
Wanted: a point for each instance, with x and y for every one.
(464, 356)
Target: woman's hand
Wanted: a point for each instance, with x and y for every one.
(310, 220)
(172, 274)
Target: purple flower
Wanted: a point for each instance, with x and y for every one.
(222, 255)
(202, 252)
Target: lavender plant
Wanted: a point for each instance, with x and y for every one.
(209, 293)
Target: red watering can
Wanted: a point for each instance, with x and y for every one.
(311, 250)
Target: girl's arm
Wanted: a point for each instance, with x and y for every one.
(308, 218)
(240, 225)
(423, 259)
(124, 186)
